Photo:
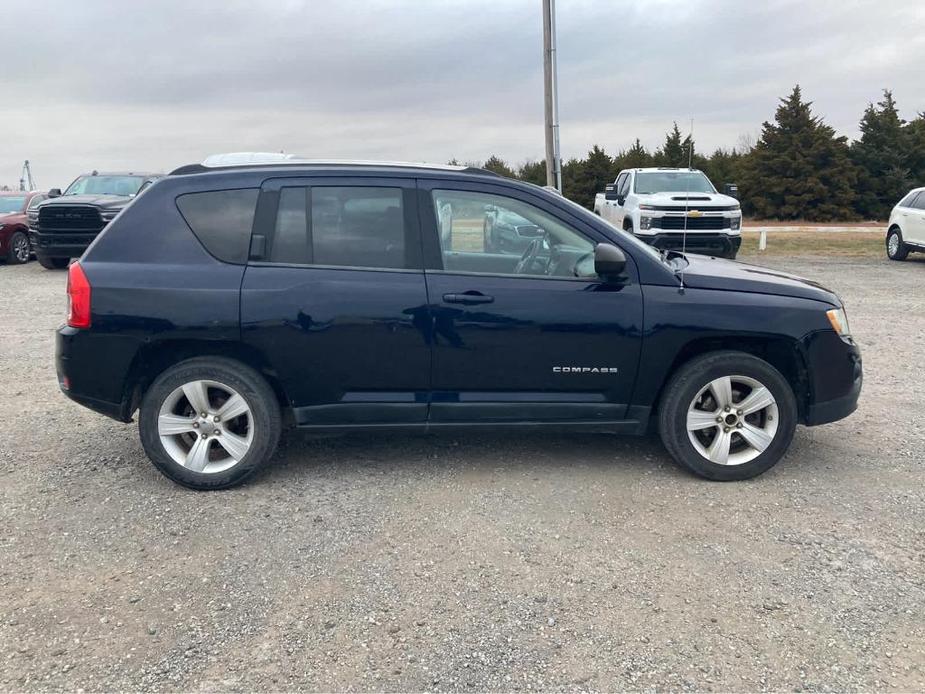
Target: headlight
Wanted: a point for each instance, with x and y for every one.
(645, 223)
(735, 223)
(839, 320)
(647, 207)
(109, 215)
(735, 208)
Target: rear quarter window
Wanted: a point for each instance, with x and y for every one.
(221, 220)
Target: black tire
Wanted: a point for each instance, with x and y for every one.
(253, 388)
(628, 228)
(901, 250)
(51, 263)
(690, 380)
(19, 250)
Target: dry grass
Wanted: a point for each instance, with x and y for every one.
(844, 244)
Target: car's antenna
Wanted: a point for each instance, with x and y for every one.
(687, 195)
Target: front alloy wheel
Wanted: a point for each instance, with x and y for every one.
(732, 420)
(19, 249)
(727, 415)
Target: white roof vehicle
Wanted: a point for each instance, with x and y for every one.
(906, 229)
(673, 209)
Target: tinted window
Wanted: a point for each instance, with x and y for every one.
(481, 232)
(346, 226)
(907, 201)
(919, 202)
(222, 221)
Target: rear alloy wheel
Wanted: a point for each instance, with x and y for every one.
(50, 263)
(19, 249)
(209, 423)
(728, 416)
(896, 249)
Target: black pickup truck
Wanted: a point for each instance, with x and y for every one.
(62, 227)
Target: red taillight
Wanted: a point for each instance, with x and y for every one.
(78, 297)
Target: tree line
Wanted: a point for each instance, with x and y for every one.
(798, 169)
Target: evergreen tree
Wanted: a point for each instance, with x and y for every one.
(589, 176)
(533, 172)
(799, 169)
(499, 166)
(674, 151)
(915, 141)
(635, 157)
(882, 158)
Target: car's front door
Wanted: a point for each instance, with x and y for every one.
(916, 220)
(334, 297)
(522, 338)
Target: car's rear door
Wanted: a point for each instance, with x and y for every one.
(334, 297)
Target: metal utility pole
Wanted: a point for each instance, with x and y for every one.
(553, 160)
(26, 177)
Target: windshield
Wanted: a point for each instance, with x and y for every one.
(105, 185)
(673, 182)
(8, 203)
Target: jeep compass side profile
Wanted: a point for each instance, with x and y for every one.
(229, 300)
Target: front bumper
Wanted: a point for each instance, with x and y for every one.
(722, 244)
(69, 245)
(836, 377)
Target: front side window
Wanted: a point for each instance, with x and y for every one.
(648, 182)
(222, 220)
(624, 187)
(105, 185)
(11, 203)
(487, 233)
(341, 226)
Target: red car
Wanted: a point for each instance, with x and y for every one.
(14, 229)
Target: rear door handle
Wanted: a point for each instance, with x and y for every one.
(468, 298)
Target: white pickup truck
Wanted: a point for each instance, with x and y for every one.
(662, 206)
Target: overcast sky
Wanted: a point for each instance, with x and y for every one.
(153, 85)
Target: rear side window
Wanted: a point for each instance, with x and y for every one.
(342, 226)
(907, 201)
(919, 202)
(222, 221)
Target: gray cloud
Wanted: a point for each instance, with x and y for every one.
(151, 86)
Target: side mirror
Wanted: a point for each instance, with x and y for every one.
(610, 191)
(609, 261)
(54, 193)
(731, 189)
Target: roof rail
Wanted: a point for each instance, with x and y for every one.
(217, 163)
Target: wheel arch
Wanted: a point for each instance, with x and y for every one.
(156, 357)
(783, 353)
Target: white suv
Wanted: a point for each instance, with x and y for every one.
(906, 230)
(662, 206)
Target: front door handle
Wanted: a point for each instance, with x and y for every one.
(468, 298)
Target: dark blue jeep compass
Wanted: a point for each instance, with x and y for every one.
(228, 301)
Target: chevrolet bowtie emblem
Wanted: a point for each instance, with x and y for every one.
(695, 213)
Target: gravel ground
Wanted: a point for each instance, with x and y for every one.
(520, 562)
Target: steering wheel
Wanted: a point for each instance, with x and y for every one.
(528, 260)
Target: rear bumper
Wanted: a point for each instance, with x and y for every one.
(91, 373)
(694, 242)
(61, 245)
